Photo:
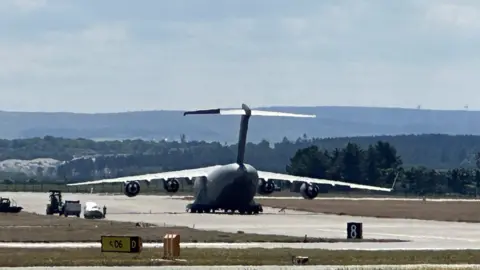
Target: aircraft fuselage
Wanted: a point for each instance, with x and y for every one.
(231, 186)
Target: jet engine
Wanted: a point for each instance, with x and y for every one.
(171, 185)
(266, 187)
(309, 191)
(132, 188)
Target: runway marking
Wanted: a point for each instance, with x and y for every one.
(409, 236)
(217, 213)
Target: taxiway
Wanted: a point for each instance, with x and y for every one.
(165, 211)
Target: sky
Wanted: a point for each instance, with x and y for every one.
(122, 55)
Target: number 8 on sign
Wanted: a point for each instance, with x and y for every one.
(353, 231)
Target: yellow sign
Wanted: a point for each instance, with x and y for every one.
(127, 244)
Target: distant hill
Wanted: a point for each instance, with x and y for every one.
(330, 122)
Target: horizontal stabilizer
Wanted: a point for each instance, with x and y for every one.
(247, 111)
(281, 114)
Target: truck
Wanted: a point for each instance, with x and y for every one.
(57, 206)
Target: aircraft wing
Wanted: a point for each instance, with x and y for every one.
(292, 178)
(153, 176)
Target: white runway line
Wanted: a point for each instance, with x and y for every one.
(403, 236)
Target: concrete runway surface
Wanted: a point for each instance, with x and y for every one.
(166, 211)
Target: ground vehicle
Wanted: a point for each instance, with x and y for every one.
(9, 206)
(67, 208)
(93, 211)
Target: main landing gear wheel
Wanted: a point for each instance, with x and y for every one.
(229, 211)
(251, 210)
(200, 209)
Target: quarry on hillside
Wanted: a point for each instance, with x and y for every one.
(34, 167)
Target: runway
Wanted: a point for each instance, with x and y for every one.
(166, 211)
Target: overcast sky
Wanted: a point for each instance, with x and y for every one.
(122, 55)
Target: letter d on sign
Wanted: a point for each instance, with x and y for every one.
(354, 230)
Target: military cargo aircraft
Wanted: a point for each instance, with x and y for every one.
(231, 187)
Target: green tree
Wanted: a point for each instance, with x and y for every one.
(308, 162)
(352, 157)
(372, 172)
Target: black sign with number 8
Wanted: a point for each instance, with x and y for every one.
(354, 230)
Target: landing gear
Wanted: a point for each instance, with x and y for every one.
(249, 210)
(206, 210)
(199, 208)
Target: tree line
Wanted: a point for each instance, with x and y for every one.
(430, 150)
(380, 165)
(425, 163)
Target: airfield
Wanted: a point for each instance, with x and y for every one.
(170, 211)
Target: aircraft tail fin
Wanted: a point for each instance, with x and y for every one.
(246, 112)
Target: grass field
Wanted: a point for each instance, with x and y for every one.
(90, 257)
(464, 211)
(28, 227)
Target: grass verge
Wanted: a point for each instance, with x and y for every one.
(29, 227)
(462, 211)
(93, 257)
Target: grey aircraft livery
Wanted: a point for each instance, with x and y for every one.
(230, 187)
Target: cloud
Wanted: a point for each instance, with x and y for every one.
(29, 4)
(21, 6)
(77, 56)
(455, 15)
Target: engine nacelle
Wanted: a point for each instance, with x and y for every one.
(309, 191)
(171, 185)
(265, 187)
(132, 188)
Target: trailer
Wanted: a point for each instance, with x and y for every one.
(72, 208)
